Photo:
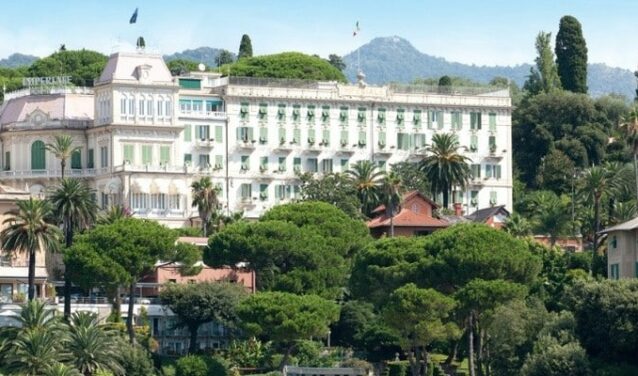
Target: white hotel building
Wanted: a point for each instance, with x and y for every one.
(144, 136)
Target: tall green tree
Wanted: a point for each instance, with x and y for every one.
(419, 316)
(551, 215)
(245, 47)
(445, 167)
(224, 57)
(629, 126)
(287, 318)
(28, 230)
(205, 198)
(337, 62)
(333, 188)
(571, 55)
(392, 190)
(545, 63)
(63, 149)
(92, 346)
(198, 304)
(367, 179)
(76, 210)
(411, 176)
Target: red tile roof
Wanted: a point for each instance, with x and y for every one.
(406, 197)
(407, 218)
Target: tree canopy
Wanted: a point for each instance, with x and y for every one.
(571, 55)
(83, 66)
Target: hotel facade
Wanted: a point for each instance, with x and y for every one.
(144, 136)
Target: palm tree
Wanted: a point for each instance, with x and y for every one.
(112, 214)
(444, 167)
(92, 347)
(597, 182)
(28, 231)
(60, 369)
(629, 125)
(551, 215)
(76, 209)
(205, 197)
(392, 191)
(367, 179)
(63, 149)
(517, 226)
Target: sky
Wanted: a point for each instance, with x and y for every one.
(481, 32)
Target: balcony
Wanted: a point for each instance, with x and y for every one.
(418, 152)
(50, 174)
(246, 144)
(162, 168)
(383, 149)
(204, 143)
(285, 146)
(208, 115)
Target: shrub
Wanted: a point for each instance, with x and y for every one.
(191, 365)
(401, 368)
(136, 361)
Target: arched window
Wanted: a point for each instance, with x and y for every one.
(38, 150)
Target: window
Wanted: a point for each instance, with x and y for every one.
(197, 105)
(362, 138)
(246, 191)
(361, 115)
(418, 141)
(614, 272)
(325, 137)
(476, 171)
(400, 116)
(282, 164)
(174, 202)
(493, 198)
(296, 136)
(169, 106)
(149, 107)
(614, 242)
(435, 120)
(160, 108)
(493, 171)
(123, 106)
(76, 159)
(492, 120)
(296, 164)
(213, 106)
(188, 133)
(281, 112)
(382, 139)
(104, 156)
(263, 192)
(90, 159)
(403, 141)
(416, 118)
(7, 160)
(38, 155)
(282, 136)
(492, 143)
(381, 116)
(263, 135)
(245, 163)
(204, 161)
(188, 158)
(129, 156)
(147, 154)
(343, 115)
(310, 115)
(311, 136)
(185, 105)
(345, 165)
(219, 162)
(326, 166)
(296, 112)
(158, 201)
(141, 107)
(343, 138)
(457, 121)
(131, 106)
(312, 165)
(203, 132)
(475, 121)
(105, 200)
(263, 164)
(381, 165)
(474, 198)
(325, 114)
(473, 142)
(165, 155)
(263, 110)
(245, 134)
(243, 111)
(219, 134)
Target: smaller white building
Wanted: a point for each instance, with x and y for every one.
(622, 250)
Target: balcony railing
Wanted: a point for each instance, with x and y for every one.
(154, 168)
(26, 174)
(214, 115)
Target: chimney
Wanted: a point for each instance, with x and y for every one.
(458, 209)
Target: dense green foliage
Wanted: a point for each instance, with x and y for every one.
(293, 65)
(84, 66)
(571, 55)
(245, 47)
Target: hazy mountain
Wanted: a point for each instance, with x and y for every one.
(17, 60)
(395, 59)
(206, 55)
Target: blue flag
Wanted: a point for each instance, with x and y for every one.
(133, 17)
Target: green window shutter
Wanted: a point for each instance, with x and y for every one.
(147, 154)
(165, 154)
(382, 142)
(76, 159)
(246, 191)
(475, 120)
(296, 164)
(281, 112)
(296, 112)
(456, 120)
(382, 165)
(343, 138)
(343, 115)
(381, 116)
(7, 160)
(219, 161)
(476, 171)
(493, 198)
(219, 134)
(243, 111)
(402, 142)
(296, 136)
(416, 119)
(311, 113)
(188, 158)
(419, 140)
(492, 143)
(492, 122)
(439, 119)
(431, 119)
(488, 171)
(345, 165)
(263, 110)
(282, 136)
(325, 138)
(129, 155)
(188, 130)
(361, 115)
(263, 135)
(245, 162)
(325, 113)
(311, 136)
(38, 158)
(263, 164)
(90, 158)
(362, 138)
(263, 191)
(400, 116)
(473, 142)
(282, 163)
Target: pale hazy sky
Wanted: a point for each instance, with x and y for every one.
(483, 32)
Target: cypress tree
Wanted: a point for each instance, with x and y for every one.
(571, 55)
(245, 47)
